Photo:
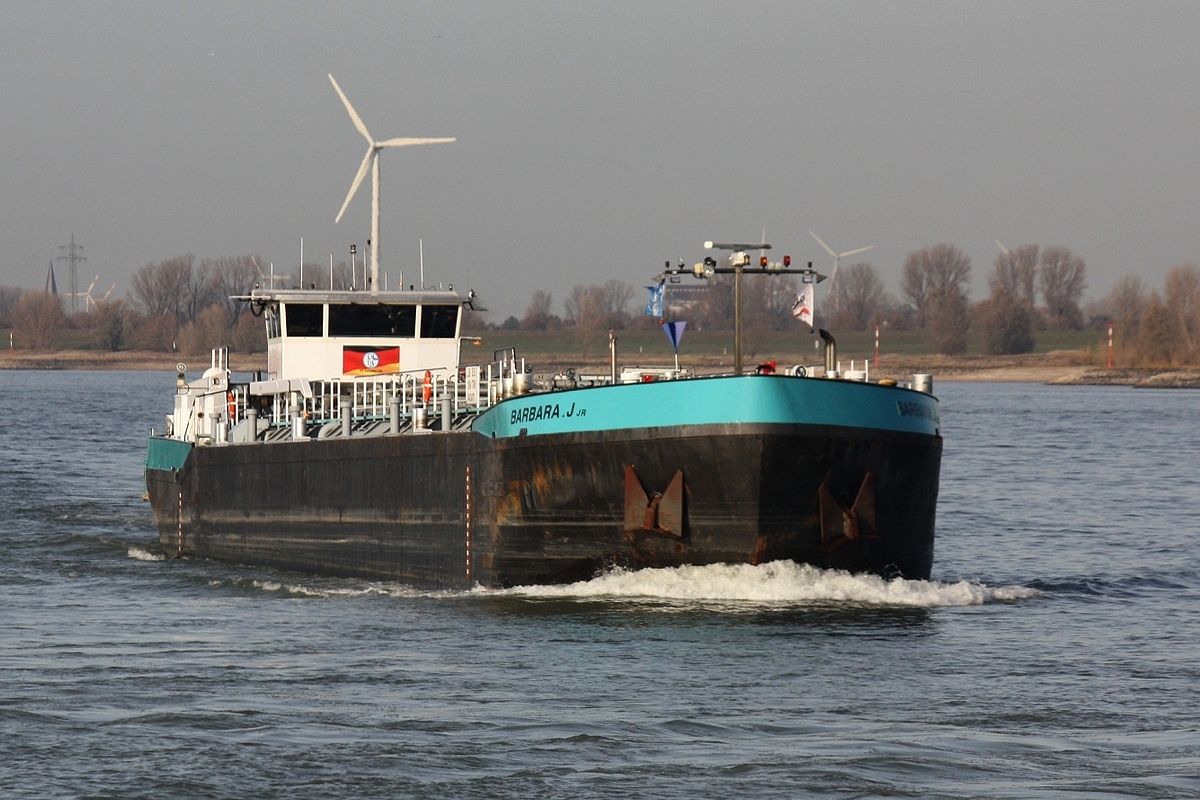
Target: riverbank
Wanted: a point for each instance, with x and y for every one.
(1060, 367)
(123, 360)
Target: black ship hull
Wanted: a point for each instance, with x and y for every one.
(456, 509)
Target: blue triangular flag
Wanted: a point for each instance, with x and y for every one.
(674, 331)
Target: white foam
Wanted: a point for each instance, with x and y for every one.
(780, 583)
(301, 590)
(145, 555)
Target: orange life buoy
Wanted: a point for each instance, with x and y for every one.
(232, 400)
(427, 385)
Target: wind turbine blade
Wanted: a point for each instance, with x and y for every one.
(93, 286)
(401, 142)
(1002, 247)
(358, 123)
(358, 179)
(109, 292)
(828, 249)
(855, 252)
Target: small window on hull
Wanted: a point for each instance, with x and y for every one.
(439, 322)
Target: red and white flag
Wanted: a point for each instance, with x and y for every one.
(802, 309)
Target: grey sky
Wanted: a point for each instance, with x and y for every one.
(596, 140)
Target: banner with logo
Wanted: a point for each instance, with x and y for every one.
(802, 309)
(654, 306)
(370, 360)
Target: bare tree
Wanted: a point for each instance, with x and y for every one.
(1182, 299)
(1158, 333)
(947, 267)
(248, 335)
(1062, 279)
(767, 302)
(862, 296)
(230, 277)
(152, 293)
(111, 323)
(38, 316)
(579, 304)
(538, 315)
(473, 321)
(948, 319)
(209, 329)
(9, 297)
(198, 290)
(1008, 315)
(1126, 305)
(173, 293)
(601, 306)
(167, 288)
(1015, 272)
(582, 310)
(1007, 321)
(914, 285)
(715, 311)
(612, 300)
(941, 270)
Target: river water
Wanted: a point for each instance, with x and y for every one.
(1056, 653)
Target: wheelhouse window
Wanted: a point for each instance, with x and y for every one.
(372, 319)
(439, 322)
(304, 319)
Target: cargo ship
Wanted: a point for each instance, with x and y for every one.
(370, 449)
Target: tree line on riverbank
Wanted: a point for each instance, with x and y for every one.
(184, 304)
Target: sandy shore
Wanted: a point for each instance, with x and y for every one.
(1016, 375)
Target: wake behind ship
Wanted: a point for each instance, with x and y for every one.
(368, 450)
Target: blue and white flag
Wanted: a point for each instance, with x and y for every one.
(674, 332)
(654, 306)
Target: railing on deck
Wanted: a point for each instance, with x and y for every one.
(469, 391)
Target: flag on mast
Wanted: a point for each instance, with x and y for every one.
(802, 309)
(654, 306)
(674, 332)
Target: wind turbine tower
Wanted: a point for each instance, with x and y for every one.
(372, 159)
(837, 257)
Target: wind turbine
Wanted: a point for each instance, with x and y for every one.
(837, 257)
(89, 302)
(372, 159)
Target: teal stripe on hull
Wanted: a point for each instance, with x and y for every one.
(166, 454)
(713, 401)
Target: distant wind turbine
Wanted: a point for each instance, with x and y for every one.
(90, 303)
(837, 257)
(372, 159)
